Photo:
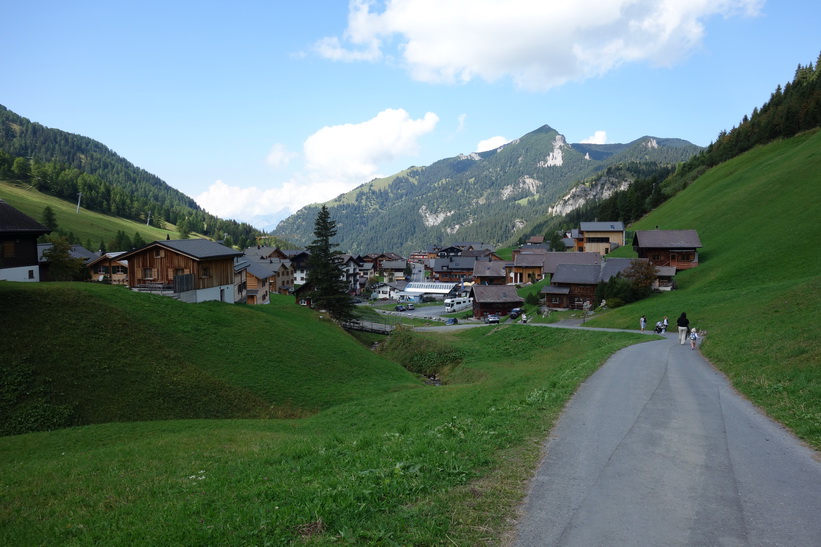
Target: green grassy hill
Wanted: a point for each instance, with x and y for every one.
(86, 225)
(756, 290)
(100, 353)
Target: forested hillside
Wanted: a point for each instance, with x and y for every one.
(64, 165)
(487, 196)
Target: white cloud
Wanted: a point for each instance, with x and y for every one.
(599, 137)
(353, 152)
(279, 156)
(537, 44)
(337, 159)
(491, 144)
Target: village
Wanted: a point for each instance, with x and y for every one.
(199, 270)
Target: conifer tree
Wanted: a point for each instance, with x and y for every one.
(330, 291)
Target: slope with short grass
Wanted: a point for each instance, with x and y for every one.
(756, 289)
(108, 354)
(85, 225)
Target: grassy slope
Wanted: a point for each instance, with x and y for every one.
(756, 290)
(123, 356)
(87, 225)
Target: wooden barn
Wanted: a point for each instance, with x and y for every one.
(498, 299)
(194, 270)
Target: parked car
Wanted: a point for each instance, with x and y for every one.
(516, 312)
(452, 321)
(356, 300)
(492, 318)
(410, 306)
(400, 307)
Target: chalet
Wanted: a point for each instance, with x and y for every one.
(350, 264)
(599, 237)
(18, 245)
(481, 254)
(535, 240)
(498, 299)
(259, 283)
(388, 291)
(453, 269)
(675, 248)
(241, 280)
(394, 270)
(573, 285)
(298, 259)
(109, 268)
(282, 278)
(448, 252)
(527, 267)
(194, 270)
(490, 272)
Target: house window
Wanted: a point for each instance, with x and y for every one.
(8, 249)
(148, 273)
(554, 300)
(31, 274)
(656, 257)
(119, 270)
(159, 253)
(205, 271)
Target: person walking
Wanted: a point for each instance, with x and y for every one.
(683, 327)
(643, 322)
(693, 338)
(664, 325)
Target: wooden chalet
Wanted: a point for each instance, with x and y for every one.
(574, 285)
(258, 278)
(108, 268)
(498, 299)
(194, 270)
(490, 272)
(527, 267)
(453, 269)
(675, 248)
(599, 237)
(18, 245)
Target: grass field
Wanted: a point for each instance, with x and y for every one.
(340, 444)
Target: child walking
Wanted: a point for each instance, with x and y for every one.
(693, 338)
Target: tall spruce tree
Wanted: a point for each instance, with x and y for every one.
(330, 292)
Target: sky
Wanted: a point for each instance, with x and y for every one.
(258, 108)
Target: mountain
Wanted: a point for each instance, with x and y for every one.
(488, 196)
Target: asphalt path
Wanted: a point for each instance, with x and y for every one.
(656, 448)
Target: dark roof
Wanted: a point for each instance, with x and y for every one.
(199, 249)
(75, 251)
(496, 293)
(552, 260)
(489, 268)
(613, 266)
(259, 271)
(454, 263)
(529, 260)
(12, 220)
(610, 226)
(667, 239)
(552, 289)
(585, 274)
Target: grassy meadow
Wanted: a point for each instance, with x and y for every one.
(86, 225)
(237, 425)
(371, 456)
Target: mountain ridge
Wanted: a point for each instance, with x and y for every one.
(484, 196)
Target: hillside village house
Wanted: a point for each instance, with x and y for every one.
(109, 267)
(194, 270)
(490, 272)
(258, 278)
(498, 299)
(574, 285)
(18, 245)
(598, 237)
(674, 248)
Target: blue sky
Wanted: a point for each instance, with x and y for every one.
(257, 108)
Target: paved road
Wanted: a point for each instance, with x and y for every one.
(657, 449)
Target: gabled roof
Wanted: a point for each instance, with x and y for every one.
(607, 226)
(529, 260)
(667, 239)
(496, 293)
(535, 240)
(454, 263)
(394, 264)
(105, 257)
(259, 271)
(14, 221)
(553, 259)
(613, 266)
(75, 251)
(582, 274)
(489, 268)
(198, 249)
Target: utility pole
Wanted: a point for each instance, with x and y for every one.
(79, 197)
(149, 218)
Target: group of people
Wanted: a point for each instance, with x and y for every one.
(685, 331)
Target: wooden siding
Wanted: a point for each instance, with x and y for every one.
(164, 264)
(18, 250)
